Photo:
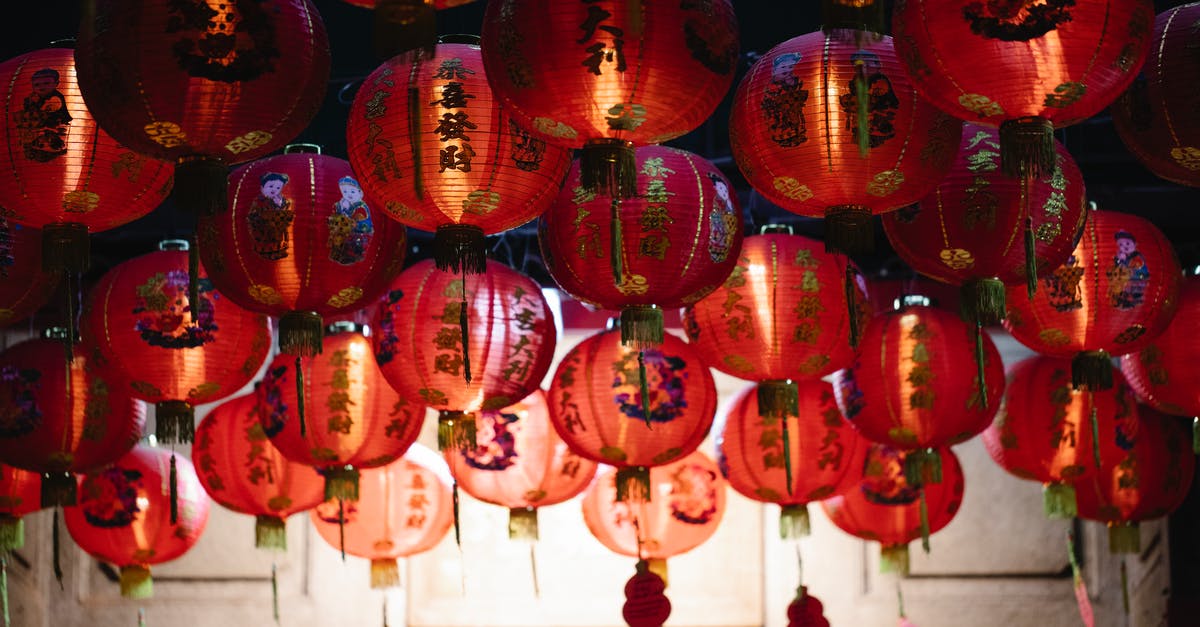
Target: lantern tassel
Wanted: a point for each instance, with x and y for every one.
(982, 301)
(1081, 594)
(194, 281)
(66, 247)
(1027, 147)
(465, 332)
(1124, 537)
(1058, 500)
(1124, 588)
(1031, 275)
(851, 290)
(609, 166)
(456, 430)
(523, 524)
(644, 383)
(300, 396)
(141, 617)
(270, 532)
(341, 483)
(633, 484)
(385, 573)
(533, 573)
(342, 528)
(894, 559)
(777, 400)
(301, 333)
(922, 466)
(58, 488)
(787, 451)
(1092, 370)
(460, 248)
(12, 533)
(69, 339)
(454, 500)
(414, 125)
(1196, 435)
(1094, 419)
(403, 25)
(174, 480)
(794, 522)
(136, 582)
(616, 244)
(174, 422)
(642, 326)
(924, 522)
(55, 547)
(862, 97)
(4, 586)
(849, 230)
(980, 366)
(863, 18)
(201, 185)
(274, 593)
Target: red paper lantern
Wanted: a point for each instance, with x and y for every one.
(886, 508)
(646, 604)
(123, 516)
(806, 610)
(1163, 372)
(633, 409)
(799, 136)
(1154, 116)
(20, 494)
(1044, 430)
(968, 231)
(498, 335)
(520, 463)
(346, 419)
(1146, 475)
(909, 390)
(1025, 68)
(688, 504)
(806, 456)
(668, 247)
(300, 241)
(65, 175)
(57, 419)
(404, 508)
(216, 83)
(24, 286)
(1117, 291)
(139, 321)
(242, 471)
(604, 77)
(427, 134)
(737, 329)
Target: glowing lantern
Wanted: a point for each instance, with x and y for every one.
(123, 518)
(801, 138)
(300, 241)
(520, 463)
(404, 508)
(671, 245)
(606, 77)
(805, 455)
(886, 508)
(428, 135)
(24, 286)
(20, 494)
(211, 79)
(242, 471)
(1044, 430)
(1117, 292)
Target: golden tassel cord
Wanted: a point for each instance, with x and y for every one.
(794, 522)
(980, 366)
(300, 396)
(194, 280)
(385, 573)
(1094, 419)
(454, 501)
(275, 593)
(270, 532)
(174, 422)
(1058, 500)
(4, 586)
(136, 582)
(1196, 435)
(56, 547)
(301, 333)
(924, 522)
(523, 523)
(464, 331)
(1031, 275)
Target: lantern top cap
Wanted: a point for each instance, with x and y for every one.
(459, 38)
(347, 326)
(174, 244)
(911, 300)
(768, 229)
(302, 147)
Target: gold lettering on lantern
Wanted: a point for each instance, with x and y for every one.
(546, 126)
(481, 202)
(832, 449)
(1065, 95)
(264, 294)
(95, 411)
(345, 297)
(626, 116)
(791, 188)
(633, 285)
(979, 202)
(980, 105)
(203, 392)
(249, 141)
(146, 389)
(508, 43)
(322, 454)
(165, 134)
(1062, 429)
(130, 162)
(449, 336)
(1187, 157)
(257, 344)
(80, 201)
(613, 453)
(885, 183)
(403, 212)
(1151, 358)
(1131, 333)
(339, 402)
(920, 376)
(902, 435)
(957, 258)
(939, 144)
(433, 397)
(814, 364)
(1054, 337)
(738, 363)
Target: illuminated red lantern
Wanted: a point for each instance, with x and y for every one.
(24, 286)
(1163, 372)
(606, 77)
(669, 246)
(20, 494)
(805, 455)
(908, 388)
(216, 83)
(646, 604)
(140, 322)
(1154, 116)
(431, 334)
(300, 241)
(806, 610)
(1117, 291)
(57, 419)
(123, 515)
(242, 471)
(801, 139)
(428, 135)
(632, 409)
(520, 463)
(355, 420)
(688, 504)
(1146, 475)
(404, 508)
(750, 330)
(885, 508)
(66, 175)
(1044, 429)
(968, 232)
(973, 59)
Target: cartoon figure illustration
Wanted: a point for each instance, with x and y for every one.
(693, 496)
(783, 102)
(1128, 276)
(1016, 20)
(161, 305)
(500, 453)
(44, 121)
(1065, 293)
(882, 102)
(271, 217)
(110, 498)
(722, 221)
(665, 383)
(19, 411)
(350, 226)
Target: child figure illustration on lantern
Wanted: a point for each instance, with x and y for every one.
(44, 120)
(271, 217)
(350, 226)
(1128, 276)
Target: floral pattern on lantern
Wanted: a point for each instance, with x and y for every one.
(123, 516)
(404, 508)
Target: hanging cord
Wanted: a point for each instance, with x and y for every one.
(645, 388)
(174, 489)
(463, 329)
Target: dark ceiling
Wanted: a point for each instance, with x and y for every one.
(1115, 180)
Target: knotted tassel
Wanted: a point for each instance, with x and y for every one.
(58, 488)
(1027, 147)
(642, 326)
(616, 251)
(924, 522)
(194, 281)
(863, 105)
(300, 396)
(460, 248)
(56, 544)
(922, 466)
(523, 524)
(981, 371)
(464, 331)
(609, 166)
(174, 492)
(341, 482)
(274, 593)
(174, 421)
(982, 301)
(270, 532)
(853, 20)
(385, 573)
(644, 382)
(851, 289)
